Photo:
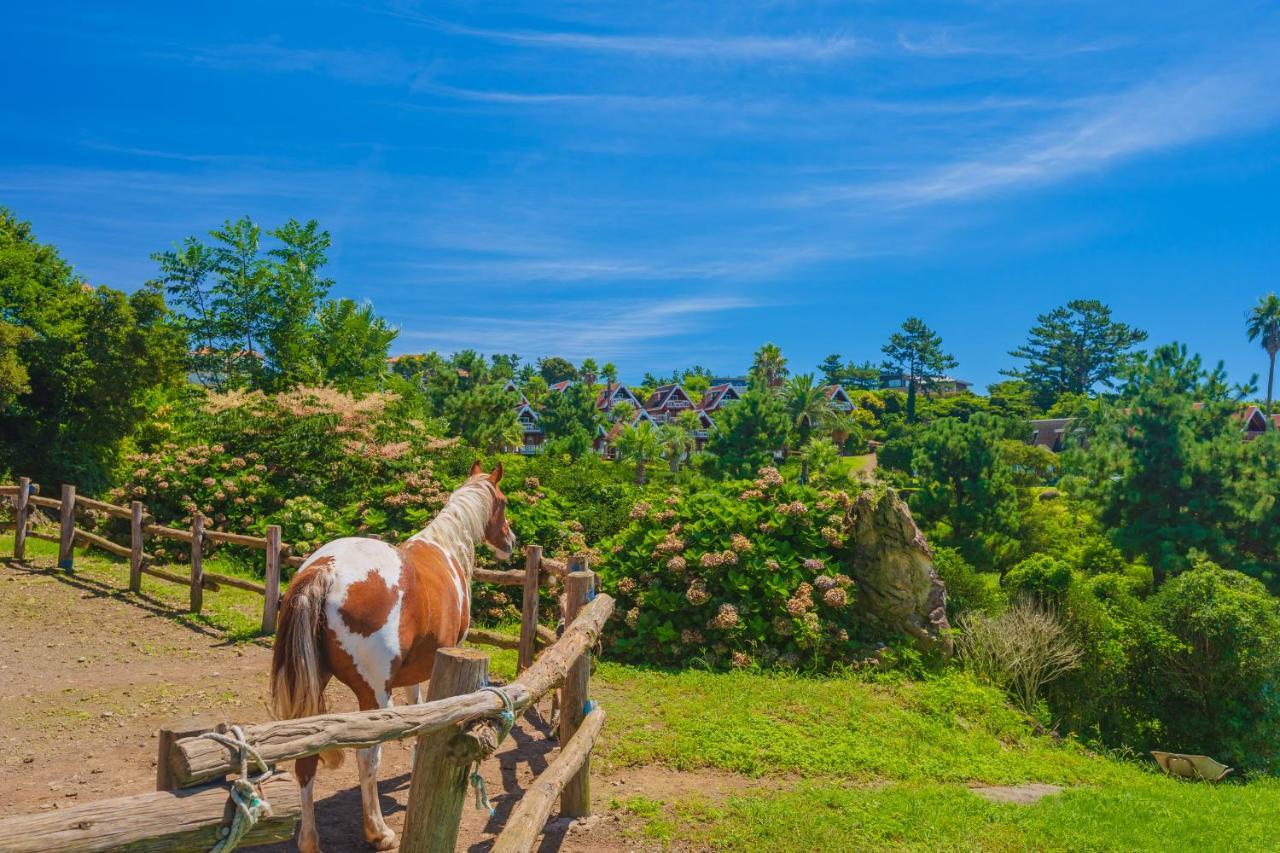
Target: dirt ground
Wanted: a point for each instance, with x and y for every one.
(87, 678)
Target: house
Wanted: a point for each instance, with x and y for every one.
(739, 382)
(614, 393)
(945, 386)
(717, 396)
(839, 398)
(533, 436)
(1051, 433)
(667, 402)
(561, 385)
(607, 437)
(1255, 422)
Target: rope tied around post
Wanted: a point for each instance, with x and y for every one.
(250, 806)
(507, 719)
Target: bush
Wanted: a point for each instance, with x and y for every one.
(738, 573)
(1043, 577)
(1220, 674)
(967, 588)
(1020, 651)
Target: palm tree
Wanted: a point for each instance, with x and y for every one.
(1264, 324)
(840, 426)
(770, 365)
(623, 413)
(808, 406)
(677, 443)
(818, 455)
(639, 444)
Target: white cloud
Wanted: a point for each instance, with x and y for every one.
(615, 328)
(1161, 115)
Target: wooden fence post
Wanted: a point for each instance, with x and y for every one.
(271, 605)
(439, 785)
(529, 613)
(170, 734)
(197, 562)
(21, 511)
(575, 800)
(67, 541)
(135, 546)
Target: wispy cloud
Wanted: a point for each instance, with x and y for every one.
(1161, 115)
(807, 48)
(617, 328)
(362, 66)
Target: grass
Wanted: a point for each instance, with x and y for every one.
(237, 613)
(840, 763)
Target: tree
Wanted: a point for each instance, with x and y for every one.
(352, 345)
(917, 352)
(485, 417)
(589, 371)
(609, 373)
(844, 429)
(83, 367)
(770, 364)
(677, 443)
(1073, 349)
(1264, 326)
(863, 376)
(555, 369)
(966, 487)
(749, 432)
(816, 455)
(570, 411)
(1163, 461)
(807, 407)
(639, 444)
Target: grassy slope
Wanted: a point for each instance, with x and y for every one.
(851, 764)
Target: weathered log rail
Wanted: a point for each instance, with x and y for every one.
(24, 496)
(454, 727)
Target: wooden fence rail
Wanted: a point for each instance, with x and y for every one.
(544, 571)
(455, 729)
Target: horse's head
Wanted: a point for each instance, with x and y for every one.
(497, 532)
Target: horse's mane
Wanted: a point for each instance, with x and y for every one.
(460, 525)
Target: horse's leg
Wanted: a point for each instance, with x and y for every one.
(308, 836)
(376, 832)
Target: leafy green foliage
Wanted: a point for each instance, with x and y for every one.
(79, 363)
(966, 488)
(749, 432)
(740, 573)
(916, 351)
(1074, 348)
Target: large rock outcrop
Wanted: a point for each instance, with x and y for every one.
(898, 585)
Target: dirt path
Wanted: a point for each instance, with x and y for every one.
(88, 677)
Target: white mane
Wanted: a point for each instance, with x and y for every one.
(460, 525)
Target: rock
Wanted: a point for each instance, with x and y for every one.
(898, 586)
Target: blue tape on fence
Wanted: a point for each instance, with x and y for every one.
(588, 706)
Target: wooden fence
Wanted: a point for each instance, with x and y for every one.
(454, 729)
(26, 497)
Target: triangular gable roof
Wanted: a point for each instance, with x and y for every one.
(512, 388)
(663, 394)
(526, 409)
(561, 385)
(836, 393)
(608, 397)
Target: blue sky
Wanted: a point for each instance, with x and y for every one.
(659, 184)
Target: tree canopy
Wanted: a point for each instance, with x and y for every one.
(917, 352)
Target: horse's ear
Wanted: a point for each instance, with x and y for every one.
(495, 476)
(476, 468)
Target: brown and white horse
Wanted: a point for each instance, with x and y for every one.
(372, 615)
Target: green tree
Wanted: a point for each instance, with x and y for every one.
(14, 379)
(807, 407)
(966, 487)
(1073, 349)
(640, 444)
(845, 429)
(677, 443)
(572, 411)
(817, 455)
(590, 371)
(485, 417)
(1163, 460)
(609, 373)
(863, 376)
(917, 352)
(352, 345)
(749, 432)
(555, 369)
(93, 360)
(770, 364)
(1012, 398)
(1264, 326)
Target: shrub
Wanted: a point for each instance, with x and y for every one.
(967, 588)
(1218, 678)
(1043, 577)
(739, 573)
(1020, 651)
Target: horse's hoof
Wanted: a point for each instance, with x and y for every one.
(386, 841)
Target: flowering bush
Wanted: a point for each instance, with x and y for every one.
(741, 574)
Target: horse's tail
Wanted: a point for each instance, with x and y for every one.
(297, 683)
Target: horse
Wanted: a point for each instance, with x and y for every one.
(373, 615)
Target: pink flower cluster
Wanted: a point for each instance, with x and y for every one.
(802, 601)
(696, 594)
(740, 543)
(676, 564)
(726, 617)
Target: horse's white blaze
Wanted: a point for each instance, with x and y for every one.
(355, 560)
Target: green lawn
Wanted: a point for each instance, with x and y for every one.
(847, 763)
